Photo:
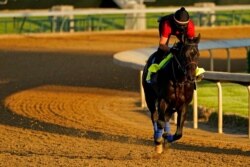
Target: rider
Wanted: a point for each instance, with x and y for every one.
(177, 24)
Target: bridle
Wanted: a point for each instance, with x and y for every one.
(182, 68)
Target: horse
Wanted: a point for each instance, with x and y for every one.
(172, 92)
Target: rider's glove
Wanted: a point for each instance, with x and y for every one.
(161, 52)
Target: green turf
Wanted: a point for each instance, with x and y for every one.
(235, 97)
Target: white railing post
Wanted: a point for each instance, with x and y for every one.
(175, 117)
(211, 60)
(143, 102)
(228, 60)
(195, 111)
(3, 2)
(220, 114)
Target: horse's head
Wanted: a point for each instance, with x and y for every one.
(187, 57)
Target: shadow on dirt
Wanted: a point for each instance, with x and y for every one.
(31, 69)
(25, 70)
(205, 149)
(12, 119)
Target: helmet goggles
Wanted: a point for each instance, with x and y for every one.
(181, 18)
(181, 24)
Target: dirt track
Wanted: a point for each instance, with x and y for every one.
(64, 103)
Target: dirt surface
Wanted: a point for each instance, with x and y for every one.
(65, 103)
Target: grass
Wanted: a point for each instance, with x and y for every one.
(106, 22)
(234, 97)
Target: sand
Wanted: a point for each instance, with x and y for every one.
(65, 103)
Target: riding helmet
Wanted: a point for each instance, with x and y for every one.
(181, 16)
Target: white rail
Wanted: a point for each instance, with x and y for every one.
(218, 77)
(28, 13)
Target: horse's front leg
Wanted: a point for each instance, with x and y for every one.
(168, 115)
(159, 123)
(182, 113)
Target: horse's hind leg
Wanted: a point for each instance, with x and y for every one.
(151, 101)
(151, 97)
(165, 119)
(158, 131)
(158, 140)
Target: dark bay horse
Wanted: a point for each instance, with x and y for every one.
(173, 91)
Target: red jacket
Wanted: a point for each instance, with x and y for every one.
(168, 27)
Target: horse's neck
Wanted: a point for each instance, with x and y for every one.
(171, 73)
(177, 72)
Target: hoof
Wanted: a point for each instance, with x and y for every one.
(166, 145)
(159, 148)
(158, 136)
(159, 140)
